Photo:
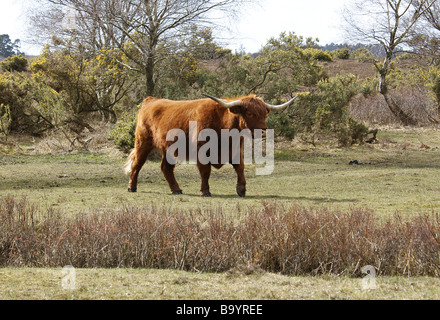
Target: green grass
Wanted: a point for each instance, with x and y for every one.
(395, 175)
(116, 284)
(400, 173)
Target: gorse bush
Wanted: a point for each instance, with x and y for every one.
(14, 64)
(62, 88)
(331, 112)
(343, 53)
(324, 111)
(318, 54)
(123, 132)
(363, 55)
(291, 240)
(282, 124)
(18, 93)
(88, 83)
(5, 120)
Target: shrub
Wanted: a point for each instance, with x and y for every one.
(88, 83)
(325, 112)
(281, 123)
(433, 76)
(123, 132)
(5, 120)
(290, 239)
(343, 53)
(15, 64)
(331, 113)
(318, 54)
(16, 92)
(363, 55)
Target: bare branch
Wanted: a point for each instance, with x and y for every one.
(393, 24)
(136, 28)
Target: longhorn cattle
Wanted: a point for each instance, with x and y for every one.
(158, 117)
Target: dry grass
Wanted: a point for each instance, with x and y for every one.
(65, 141)
(340, 67)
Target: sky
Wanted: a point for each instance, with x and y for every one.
(320, 19)
(256, 24)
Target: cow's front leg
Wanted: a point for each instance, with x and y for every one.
(241, 179)
(137, 159)
(168, 172)
(205, 173)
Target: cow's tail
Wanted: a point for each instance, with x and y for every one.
(129, 163)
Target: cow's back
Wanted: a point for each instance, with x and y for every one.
(157, 117)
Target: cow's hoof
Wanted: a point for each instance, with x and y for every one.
(133, 190)
(207, 194)
(177, 192)
(241, 192)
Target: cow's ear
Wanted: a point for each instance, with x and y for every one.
(267, 111)
(236, 110)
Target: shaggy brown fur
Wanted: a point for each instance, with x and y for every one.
(158, 116)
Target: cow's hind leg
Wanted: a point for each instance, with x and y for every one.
(168, 172)
(138, 158)
(205, 173)
(241, 179)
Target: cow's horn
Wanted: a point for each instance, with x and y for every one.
(282, 106)
(228, 105)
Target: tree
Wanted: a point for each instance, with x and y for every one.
(178, 72)
(140, 28)
(7, 47)
(392, 23)
(283, 65)
(432, 14)
(427, 44)
(86, 83)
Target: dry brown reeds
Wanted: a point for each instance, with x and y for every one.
(291, 240)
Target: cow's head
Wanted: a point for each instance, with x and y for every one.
(253, 110)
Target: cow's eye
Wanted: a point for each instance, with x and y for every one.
(249, 114)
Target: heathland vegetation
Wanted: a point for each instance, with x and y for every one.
(356, 160)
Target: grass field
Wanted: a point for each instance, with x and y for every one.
(98, 284)
(399, 174)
